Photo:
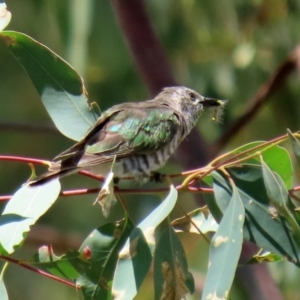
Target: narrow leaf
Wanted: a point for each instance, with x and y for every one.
(135, 257)
(262, 225)
(295, 144)
(3, 291)
(60, 87)
(225, 250)
(172, 280)
(278, 196)
(22, 211)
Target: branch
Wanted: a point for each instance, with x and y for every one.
(273, 84)
(26, 266)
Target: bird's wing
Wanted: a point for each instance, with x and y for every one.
(124, 131)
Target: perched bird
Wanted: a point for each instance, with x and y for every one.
(137, 138)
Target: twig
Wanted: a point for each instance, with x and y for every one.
(26, 266)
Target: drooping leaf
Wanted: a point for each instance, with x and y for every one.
(106, 197)
(22, 211)
(69, 266)
(225, 250)
(103, 246)
(262, 224)
(136, 256)
(60, 87)
(172, 280)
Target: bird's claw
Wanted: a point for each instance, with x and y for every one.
(157, 177)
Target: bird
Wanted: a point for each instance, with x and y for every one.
(135, 138)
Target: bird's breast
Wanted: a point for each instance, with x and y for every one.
(141, 165)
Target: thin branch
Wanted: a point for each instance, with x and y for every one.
(26, 266)
(276, 80)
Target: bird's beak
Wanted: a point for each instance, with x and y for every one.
(211, 102)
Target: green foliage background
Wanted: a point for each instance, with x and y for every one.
(223, 49)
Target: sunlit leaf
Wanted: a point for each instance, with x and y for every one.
(172, 280)
(60, 87)
(265, 257)
(295, 144)
(103, 246)
(225, 250)
(68, 266)
(5, 16)
(135, 257)
(3, 291)
(22, 211)
(134, 262)
(149, 224)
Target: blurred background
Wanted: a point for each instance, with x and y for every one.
(223, 49)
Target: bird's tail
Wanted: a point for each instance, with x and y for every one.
(55, 171)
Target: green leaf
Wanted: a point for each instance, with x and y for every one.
(225, 250)
(194, 219)
(279, 197)
(103, 246)
(134, 263)
(172, 280)
(3, 291)
(295, 144)
(60, 87)
(149, 224)
(135, 258)
(262, 225)
(265, 257)
(279, 161)
(276, 157)
(68, 266)
(22, 211)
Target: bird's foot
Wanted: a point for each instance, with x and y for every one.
(157, 177)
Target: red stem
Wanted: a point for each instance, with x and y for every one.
(17, 262)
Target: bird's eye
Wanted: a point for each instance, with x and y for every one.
(192, 97)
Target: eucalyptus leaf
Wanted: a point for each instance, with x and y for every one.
(262, 224)
(60, 87)
(136, 256)
(225, 250)
(172, 280)
(103, 246)
(22, 211)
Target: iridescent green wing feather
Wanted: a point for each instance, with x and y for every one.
(122, 131)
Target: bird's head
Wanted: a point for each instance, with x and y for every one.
(187, 101)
